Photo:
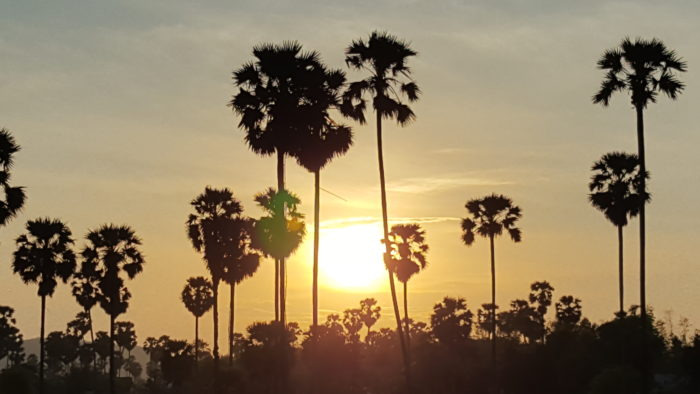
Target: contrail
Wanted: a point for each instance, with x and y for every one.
(334, 195)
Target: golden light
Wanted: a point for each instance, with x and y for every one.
(350, 257)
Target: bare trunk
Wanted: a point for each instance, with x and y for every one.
(621, 270)
(41, 345)
(493, 301)
(317, 213)
(407, 330)
(196, 343)
(280, 272)
(216, 324)
(230, 324)
(646, 378)
(112, 371)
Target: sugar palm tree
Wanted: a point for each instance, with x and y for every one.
(644, 69)
(280, 232)
(241, 262)
(14, 196)
(489, 217)
(214, 209)
(389, 83)
(44, 255)
(614, 188)
(198, 298)
(112, 256)
(84, 289)
(317, 146)
(277, 97)
(407, 258)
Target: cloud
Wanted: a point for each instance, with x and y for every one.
(423, 185)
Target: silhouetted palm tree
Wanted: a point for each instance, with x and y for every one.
(317, 146)
(407, 258)
(615, 187)
(280, 232)
(112, 255)
(242, 262)
(384, 57)
(84, 289)
(488, 217)
(44, 255)
(14, 196)
(370, 312)
(644, 68)
(198, 298)
(276, 99)
(214, 209)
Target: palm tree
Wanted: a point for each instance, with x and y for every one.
(614, 191)
(280, 232)
(241, 262)
(488, 217)
(44, 255)
(214, 209)
(14, 196)
(84, 289)
(384, 57)
(317, 146)
(643, 68)
(198, 298)
(407, 258)
(277, 97)
(111, 255)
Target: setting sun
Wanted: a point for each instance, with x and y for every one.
(350, 257)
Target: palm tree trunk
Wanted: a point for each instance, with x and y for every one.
(281, 281)
(317, 213)
(493, 301)
(92, 340)
(277, 290)
(646, 378)
(196, 342)
(385, 223)
(112, 387)
(41, 345)
(216, 324)
(407, 331)
(230, 323)
(283, 295)
(621, 270)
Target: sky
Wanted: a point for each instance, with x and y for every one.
(120, 109)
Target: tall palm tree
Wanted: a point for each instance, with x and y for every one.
(44, 255)
(277, 93)
(643, 68)
(614, 188)
(198, 298)
(214, 209)
(280, 232)
(408, 250)
(112, 256)
(317, 145)
(84, 289)
(14, 196)
(489, 217)
(241, 263)
(384, 57)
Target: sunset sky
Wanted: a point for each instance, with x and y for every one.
(120, 109)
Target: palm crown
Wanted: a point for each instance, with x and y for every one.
(408, 250)
(112, 250)
(198, 296)
(14, 196)
(242, 260)
(615, 187)
(385, 57)
(489, 217)
(279, 233)
(644, 67)
(44, 254)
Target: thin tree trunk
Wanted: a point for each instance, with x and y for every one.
(385, 223)
(230, 323)
(277, 290)
(281, 277)
(92, 340)
(493, 301)
(216, 324)
(41, 345)
(283, 295)
(317, 213)
(646, 377)
(407, 330)
(196, 343)
(621, 270)
(112, 387)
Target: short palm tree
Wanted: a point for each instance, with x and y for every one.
(198, 298)
(408, 250)
(279, 233)
(389, 83)
(14, 196)
(643, 68)
(317, 146)
(489, 217)
(84, 289)
(112, 256)
(614, 188)
(277, 97)
(214, 210)
(44, 255)
(241, 262)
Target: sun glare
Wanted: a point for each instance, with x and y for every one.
(350, 257)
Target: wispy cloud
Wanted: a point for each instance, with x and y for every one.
(423, 185)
